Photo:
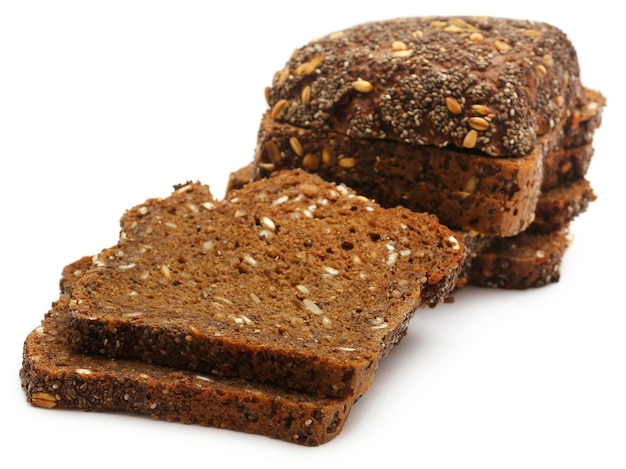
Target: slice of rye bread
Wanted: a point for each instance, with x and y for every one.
(524, 261)
(262, 285)
(556, 208)
(324, 118)
(54, 376)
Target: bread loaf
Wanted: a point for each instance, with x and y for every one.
(465, 133)
(488, 84)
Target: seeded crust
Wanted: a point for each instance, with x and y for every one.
(467, 191)
(521, 262)
(490, 84)
(262, 285)
(53, 376)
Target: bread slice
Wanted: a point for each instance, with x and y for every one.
(559, 206)
(556, 208)
(54, 376)
(433, 132)
(262, 285)
(524, 261)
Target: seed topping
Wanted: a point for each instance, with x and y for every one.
(478, 123)
(453, 105)
(362, 86)
(470, 139)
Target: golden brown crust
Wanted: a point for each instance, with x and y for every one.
(489, 84)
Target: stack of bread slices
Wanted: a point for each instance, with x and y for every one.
(447, 150)
(241, 313)
(481, 121)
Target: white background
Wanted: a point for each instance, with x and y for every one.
(105, 104)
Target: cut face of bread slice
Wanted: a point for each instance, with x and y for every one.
(54, 376)
(524, 261)
(488, 84)
(291, 281)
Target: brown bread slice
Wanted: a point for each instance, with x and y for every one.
(54, 376)
(559, 206)
(556, 208)
(262, 285)
(524, 261)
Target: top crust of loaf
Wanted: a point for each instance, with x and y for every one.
(291, 280)
(490, 84)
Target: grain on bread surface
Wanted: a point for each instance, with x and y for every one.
(262, 285)
(54, 376)
(488, 84)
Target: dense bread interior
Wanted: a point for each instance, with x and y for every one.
(291, 280)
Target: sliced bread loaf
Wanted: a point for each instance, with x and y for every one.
(291, 281)
(464, 135)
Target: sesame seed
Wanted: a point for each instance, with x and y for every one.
(330, 270)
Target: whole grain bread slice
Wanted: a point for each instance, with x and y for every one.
(524, 261)
(292, 281)
(54, 376)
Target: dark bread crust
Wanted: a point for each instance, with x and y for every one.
(521, 78)
(261, 285)
(53, 376)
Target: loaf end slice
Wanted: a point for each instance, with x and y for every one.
(291, 281)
